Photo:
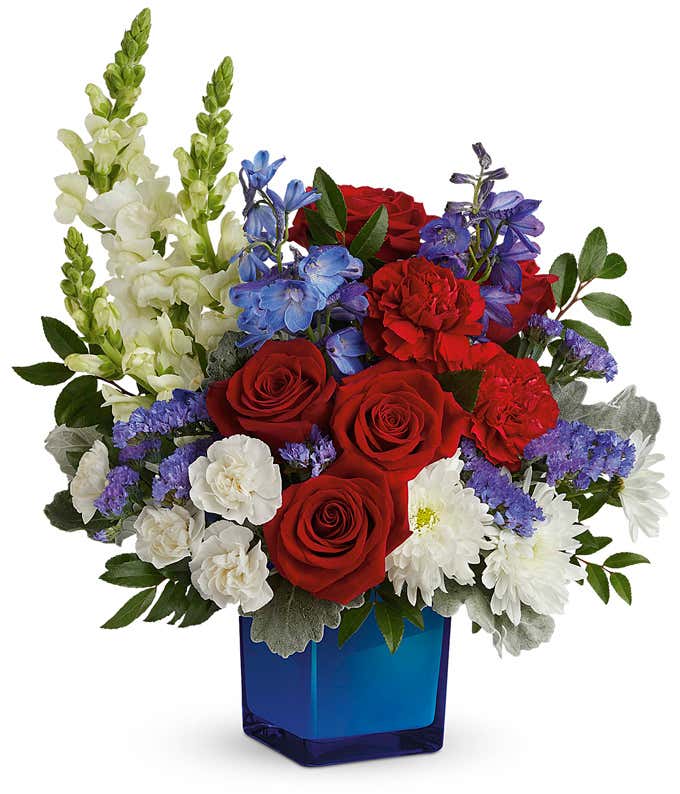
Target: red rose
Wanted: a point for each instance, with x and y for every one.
(537, 298)
(333, 532)
(398, 417)
(277, 395)
(514, 404)
(406, 217)
(419, 310)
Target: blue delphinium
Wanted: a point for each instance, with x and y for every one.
(349, 302)
(314, 454)
(259, 171)
(172, 480)
(345, 349)
(444, 240)
(162, 418)
(594, 359)
(115, 496)
(291, 303)
(511, 507)
(575, 450)
(296, 197)
(327, 268)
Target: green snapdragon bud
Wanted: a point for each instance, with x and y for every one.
(100, 104)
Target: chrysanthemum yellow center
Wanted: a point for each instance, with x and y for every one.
(425, 519)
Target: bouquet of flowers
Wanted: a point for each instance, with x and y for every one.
(333, 404)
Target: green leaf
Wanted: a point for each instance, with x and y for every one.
(47, 373)
(331, 206)
(591, 506)
(63, 515)
(198, 610)
(119, 559)
(614, 267)
(352, 620)
(588, 331)
(609, 307)
(165, 605)
(476, 628)
(593, 255)
(406, 609)
(464, 385)
(623, 559)
(133, 573)
(591, 544)
(80, 404)
(564, 267)
(622, 588)
(131, 609)
(319, 231)
(597, 579)
(371, 236)
(390, 623)
(63, 340)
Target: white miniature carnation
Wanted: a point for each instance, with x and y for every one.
(238, 480)
(90, 480)
(166, 535)
(641, 490)
(535, 570)
(448, 525)
(225, 571)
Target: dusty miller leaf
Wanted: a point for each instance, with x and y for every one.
(226, 358)
(624, 413)
(292, 619)
(447, 603)
(532, 631)
(63, 440)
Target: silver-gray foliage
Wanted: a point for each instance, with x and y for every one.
(63, 440)
(624, 413)
(533, 629)
(292, 619)
(226, 358)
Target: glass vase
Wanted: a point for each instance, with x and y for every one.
(331, 705)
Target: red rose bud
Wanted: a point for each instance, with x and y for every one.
(418, 310)
(537, 298)
(398, 417)
(406, 217)
(333, 532)
(278, 394)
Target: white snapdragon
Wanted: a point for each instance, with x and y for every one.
(226, 570)
(132, 210)
(122, 405)
(90, 480)
(166, 535)
(448, 526)
(111, 138)
(238, 480)
(72, 199)
(232, 237)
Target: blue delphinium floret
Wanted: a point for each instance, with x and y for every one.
(114, 497)
(595, 358)
(512, 508)
(259, 171)
(349, 302)
(444, 240)
(575, 450)
(345, 348)
(516, 213)
(295, 197)
(325, 268)
(172, 480)
(316, 453)
(291, 303)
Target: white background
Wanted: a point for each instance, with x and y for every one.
(578, 101)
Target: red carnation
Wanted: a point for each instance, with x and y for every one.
(333, 532)
(537, 298)
(421, 311)
(406, 217)
(514, 404)
(398, 417)
(277, 395)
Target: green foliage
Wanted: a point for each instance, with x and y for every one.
(593, 255)
(588, 331)
(371, 236)
(133, 573)
(390, 623)
(62, 514)
(564, 267)
(352, 620)
(621, 585)
(609, 307)
(597, 579)
(320, 232)
(614, 267)
(623, 559)
(124, 76)
(131, 609)
(591, 544)
(47, 373)
(464, 385)
(80, 404)
(331, 206)
(588, 507)
(62, 339)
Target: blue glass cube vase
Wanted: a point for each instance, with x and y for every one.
(331, 705)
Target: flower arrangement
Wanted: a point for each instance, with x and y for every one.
(335, 404)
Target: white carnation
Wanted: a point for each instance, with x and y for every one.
(535, 570)
(448, 525)
(224, 570)
(238, 480)
(166, 535)
(90, 480)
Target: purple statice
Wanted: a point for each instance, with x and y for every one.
(577, 451)
(511, 507)
(316, 453)
(544, 327)
(163, 417)
(595, 359)
(114, 497)
(139, 451)
(102, 536)
(172, 480)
